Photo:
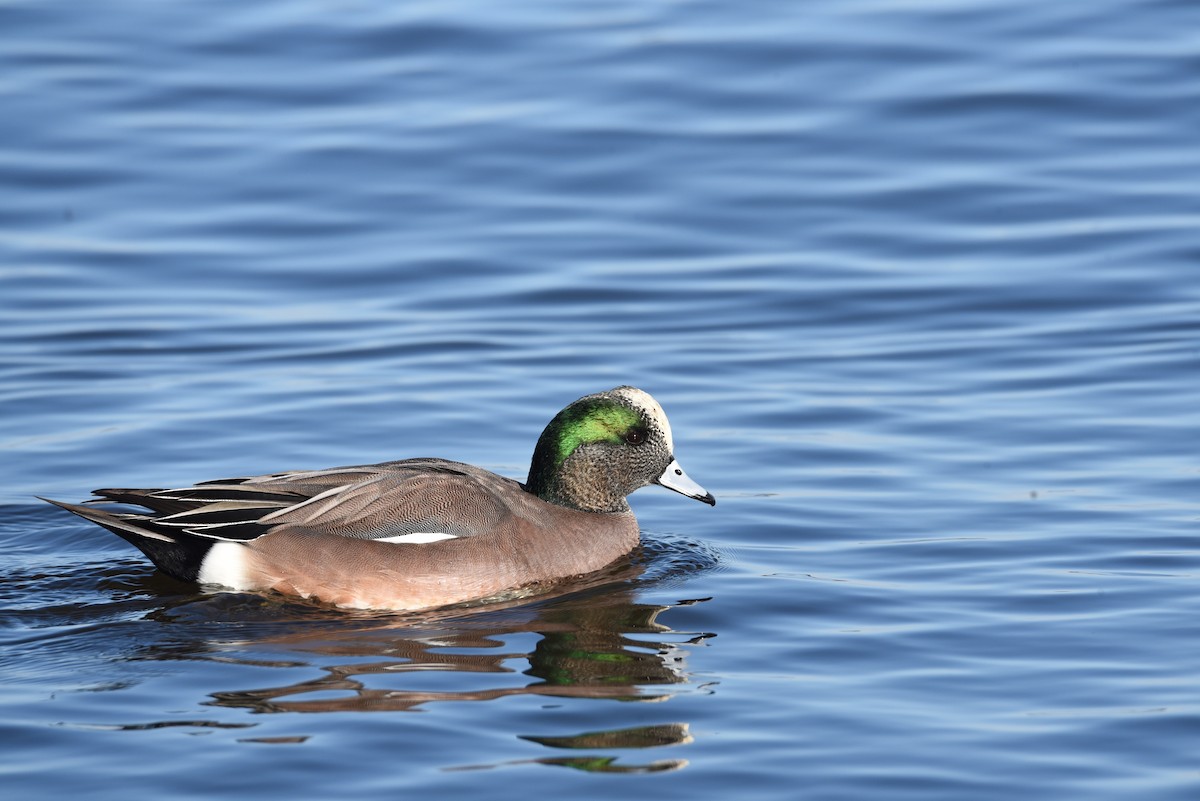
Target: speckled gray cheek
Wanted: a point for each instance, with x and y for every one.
(594, 478)
(651, 457)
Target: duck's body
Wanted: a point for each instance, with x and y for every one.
(416, 533)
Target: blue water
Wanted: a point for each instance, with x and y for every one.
(917, 282)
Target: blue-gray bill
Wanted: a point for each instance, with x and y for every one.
(673, 478)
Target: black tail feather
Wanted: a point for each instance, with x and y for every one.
(178, 554)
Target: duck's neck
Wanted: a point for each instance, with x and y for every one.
(574, 484)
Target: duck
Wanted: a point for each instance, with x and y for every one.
(416, 533)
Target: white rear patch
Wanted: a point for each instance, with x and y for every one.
(225, 564)
(417, 538)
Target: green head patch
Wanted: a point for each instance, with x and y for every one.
(595, 421)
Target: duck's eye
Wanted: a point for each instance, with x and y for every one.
(635, 436)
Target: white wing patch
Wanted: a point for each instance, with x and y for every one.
(417, 538)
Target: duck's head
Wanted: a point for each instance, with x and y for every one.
(602, 447)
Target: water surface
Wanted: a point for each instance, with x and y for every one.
(916, 283)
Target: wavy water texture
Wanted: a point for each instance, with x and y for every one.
(915, 281)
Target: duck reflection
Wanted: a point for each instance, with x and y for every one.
(585, 648)
(595, 645)
(637, 737)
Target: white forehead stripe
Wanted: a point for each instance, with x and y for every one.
(650, 407)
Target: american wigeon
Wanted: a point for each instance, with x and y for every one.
(416, 533)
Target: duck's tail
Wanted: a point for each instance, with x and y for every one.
(179, 554)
